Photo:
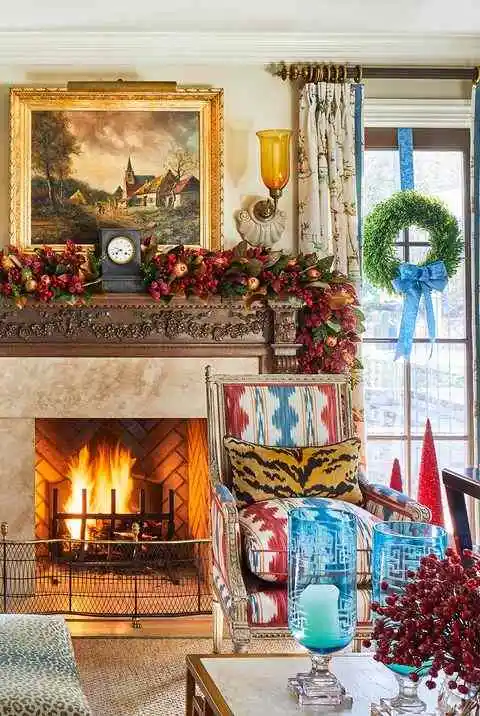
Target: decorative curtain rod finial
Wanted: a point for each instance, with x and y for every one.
(318, 72)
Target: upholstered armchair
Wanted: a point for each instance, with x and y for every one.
(249, 543)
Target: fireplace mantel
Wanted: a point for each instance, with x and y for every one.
(124, 325)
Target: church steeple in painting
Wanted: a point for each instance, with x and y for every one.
(129, 174)
(132, 182)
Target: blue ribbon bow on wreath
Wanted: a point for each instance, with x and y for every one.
(414, 282)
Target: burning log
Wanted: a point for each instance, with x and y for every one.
(109, 527)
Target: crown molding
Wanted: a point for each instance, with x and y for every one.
(136, 49)
(417, 113)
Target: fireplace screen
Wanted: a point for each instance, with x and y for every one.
(121, 521)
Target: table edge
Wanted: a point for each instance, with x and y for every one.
(206, 684)
(276, 655)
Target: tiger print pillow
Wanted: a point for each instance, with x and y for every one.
(261, 472)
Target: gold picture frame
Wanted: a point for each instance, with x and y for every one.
(79, 197)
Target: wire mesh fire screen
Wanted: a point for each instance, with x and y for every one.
(139, 579)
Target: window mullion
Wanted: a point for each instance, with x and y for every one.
(407, 395)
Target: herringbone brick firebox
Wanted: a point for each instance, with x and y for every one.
(171, 452)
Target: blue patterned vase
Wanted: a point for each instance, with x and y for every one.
(397, 549)
(322, 595)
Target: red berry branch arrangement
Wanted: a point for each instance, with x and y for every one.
(330, 321)
(434, 622)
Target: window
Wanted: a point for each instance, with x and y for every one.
(436, 383)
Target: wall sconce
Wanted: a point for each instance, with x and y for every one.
(275, 168)
(261, 222)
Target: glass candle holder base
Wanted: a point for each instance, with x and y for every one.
(406, 703)
(319, 687)
(387, 707)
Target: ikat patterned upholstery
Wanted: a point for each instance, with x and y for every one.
(38, 674)
(267, 605)
(261, 472)
(264, 530)
(388, 504)
(285, 415)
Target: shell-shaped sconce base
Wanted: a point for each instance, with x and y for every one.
(260, 232)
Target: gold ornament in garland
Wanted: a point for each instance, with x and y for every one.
(384, 270)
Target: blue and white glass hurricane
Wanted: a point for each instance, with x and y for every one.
(322, 595)
(397, 549)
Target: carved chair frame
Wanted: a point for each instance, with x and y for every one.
(236, 610)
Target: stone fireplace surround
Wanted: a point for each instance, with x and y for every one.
(120, 357)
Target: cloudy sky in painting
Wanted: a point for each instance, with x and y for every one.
(107, 139)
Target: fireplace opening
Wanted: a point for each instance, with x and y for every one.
(113, 479)
(121, 521)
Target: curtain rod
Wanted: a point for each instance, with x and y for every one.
(321, 71)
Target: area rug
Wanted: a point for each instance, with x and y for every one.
(146, 677)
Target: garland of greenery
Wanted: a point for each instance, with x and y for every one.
(402, 210)
(330, 323)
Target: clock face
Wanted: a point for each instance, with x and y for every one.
(121, 250)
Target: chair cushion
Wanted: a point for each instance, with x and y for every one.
(263, 527)
(261, 472)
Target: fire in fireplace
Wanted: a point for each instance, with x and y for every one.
(103, 502)
(103, 505)
(93, 477)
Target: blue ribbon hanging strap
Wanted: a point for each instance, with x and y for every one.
(405, 154)
(414, 282)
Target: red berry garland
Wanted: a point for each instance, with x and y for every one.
(435, 620)
(330, 323)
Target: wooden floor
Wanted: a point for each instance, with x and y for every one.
(172, 628)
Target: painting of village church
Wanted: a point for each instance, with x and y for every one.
(99, 169)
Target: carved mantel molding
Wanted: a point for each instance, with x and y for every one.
(132, 325)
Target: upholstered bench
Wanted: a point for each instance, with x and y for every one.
(38, 674)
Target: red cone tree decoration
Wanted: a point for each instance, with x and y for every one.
(429, 492)
(396, 477)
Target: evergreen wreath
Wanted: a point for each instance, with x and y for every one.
(404, 209)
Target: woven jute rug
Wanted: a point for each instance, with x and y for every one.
(146, 677)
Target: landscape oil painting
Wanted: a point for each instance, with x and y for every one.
(115, 169)
(97, 162)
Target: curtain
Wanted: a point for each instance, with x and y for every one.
(327, 185)
(330, 172)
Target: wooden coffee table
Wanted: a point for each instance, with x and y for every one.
(256, 685)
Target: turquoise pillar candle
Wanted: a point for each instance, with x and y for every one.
(319, 610)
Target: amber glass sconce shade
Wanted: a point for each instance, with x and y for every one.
(275, 168)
